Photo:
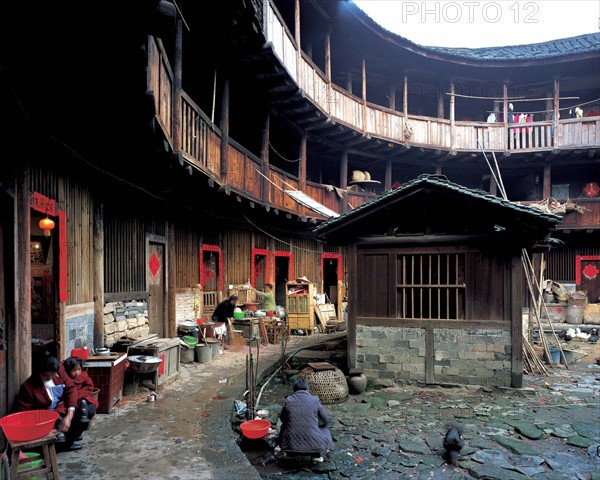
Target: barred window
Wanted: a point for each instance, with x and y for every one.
(431, 286)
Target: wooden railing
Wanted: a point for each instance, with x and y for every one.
(430, 132)
(160, 83)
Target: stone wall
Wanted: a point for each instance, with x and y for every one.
(466, 356)
(185, 304)
(125, 319)
(472, 356)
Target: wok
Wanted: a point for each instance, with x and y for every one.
(144, 363)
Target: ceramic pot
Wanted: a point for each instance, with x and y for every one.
(357, 383)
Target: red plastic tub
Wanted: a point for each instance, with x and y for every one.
(29, 425)
(255, 428)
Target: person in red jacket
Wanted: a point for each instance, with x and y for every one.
(85, 387)
(49, 387)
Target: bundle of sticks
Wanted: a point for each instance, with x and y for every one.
(532, 363)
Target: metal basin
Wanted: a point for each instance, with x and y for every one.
(144, 363)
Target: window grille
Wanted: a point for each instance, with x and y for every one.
(431, 286)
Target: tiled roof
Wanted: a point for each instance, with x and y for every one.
(440, 181)
(554, 48)
(564, 47)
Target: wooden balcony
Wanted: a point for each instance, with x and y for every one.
(429, 132)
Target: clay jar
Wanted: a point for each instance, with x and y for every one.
(357, 382)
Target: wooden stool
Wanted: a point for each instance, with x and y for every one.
(330, 328)
(49, 467)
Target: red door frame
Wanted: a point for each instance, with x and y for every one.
(290, 256)
(326, 256)
(211, 248)
(267, 255)
(43, 204)
(578, 260)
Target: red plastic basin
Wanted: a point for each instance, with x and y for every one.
(255, 428)
(82, 353)
(28, 425)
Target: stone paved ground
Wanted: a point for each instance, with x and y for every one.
(548, 430)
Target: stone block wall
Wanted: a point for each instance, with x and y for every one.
(185, 304)
(472, 356)
(125, 319)
(465, 356)
(387, 354)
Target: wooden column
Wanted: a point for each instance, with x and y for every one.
(388, 174)
(264, 154)
(297, 35)
(224, 126)
(506, 122)
(23, 267)
(547, 186)
(405, 96)
(364, 93)
(556, 108)
(344, 180)
(438, 167)
(452, 119)
(440, 108)
(98, 245)
(349, 81)
(516, 289)
(352, 303)
(328, 56)
(302, 164)
(493, 186)
(177, 67)
(392, 102)
(171, 323)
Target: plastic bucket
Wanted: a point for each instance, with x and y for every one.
(203, 353)
(555, 355)
(215, 347)
(569, 357)
(574, 314)
(186, 355)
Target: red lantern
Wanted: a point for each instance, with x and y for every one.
(46, 224)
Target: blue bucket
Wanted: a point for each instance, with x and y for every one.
(555, 355)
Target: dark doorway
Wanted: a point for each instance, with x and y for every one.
(282, 269)
(330, 279)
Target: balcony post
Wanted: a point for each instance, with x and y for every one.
(344, 179)
(224, 126)
(506, 122)
(297, 35)
(364, 93)
(452, 113)
(265, 157)
(405, 97)
(328, 56)
(556, 108)
(440, 109)
(547, 187)
(302, 164)
(388, 174)
(176, 95)
(349, 81)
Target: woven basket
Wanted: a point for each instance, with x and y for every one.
(591, 313)
(329, 385)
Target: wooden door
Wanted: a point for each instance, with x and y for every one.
(155, 277)
(588, 276)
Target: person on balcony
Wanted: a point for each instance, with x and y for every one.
(268, 299)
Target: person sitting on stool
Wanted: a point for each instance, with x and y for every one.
(304, 423)
(50, 388)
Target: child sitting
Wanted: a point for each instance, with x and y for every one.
(85, 386)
